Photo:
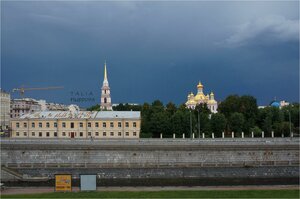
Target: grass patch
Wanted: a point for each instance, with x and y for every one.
(167, 194)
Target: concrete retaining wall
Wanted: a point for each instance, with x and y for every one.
(154, 158)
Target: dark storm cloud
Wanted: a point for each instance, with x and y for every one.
(269, 30)
(153, 49)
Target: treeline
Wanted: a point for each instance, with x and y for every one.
(235, 114)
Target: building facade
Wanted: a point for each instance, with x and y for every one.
(201, 98)
(280, 104)
(20, 107)
(24, 106)
(78, 124)
(5, 110)
(105, 93)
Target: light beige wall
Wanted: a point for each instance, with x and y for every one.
(66, 132)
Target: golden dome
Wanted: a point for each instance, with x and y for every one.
(199, 85)
(200, 96)
(211, 101)
(192, 102)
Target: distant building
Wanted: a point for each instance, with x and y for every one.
(201, 98)
(131, 104)
(56, 107)
(261, 107)
(23, 106)
(5, 109)
(77, 124)
(20, 107)
(278, 104)
(105, 93)
(284, 103)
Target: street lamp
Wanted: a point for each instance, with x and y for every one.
(199, 122)
(290, 123)
(191, 124)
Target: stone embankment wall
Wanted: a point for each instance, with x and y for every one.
(153, 158)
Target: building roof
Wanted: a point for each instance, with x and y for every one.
(82, 115)
(119, 114)
(275, 104)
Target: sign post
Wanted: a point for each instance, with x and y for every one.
(63, 182)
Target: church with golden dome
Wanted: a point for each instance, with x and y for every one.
(201, 98)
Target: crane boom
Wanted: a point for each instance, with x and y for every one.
(22, 89)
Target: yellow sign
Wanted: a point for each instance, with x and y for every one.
(63, 182)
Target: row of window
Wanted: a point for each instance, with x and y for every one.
(89, 124)
(104, 134)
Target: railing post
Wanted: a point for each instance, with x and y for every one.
(203, 135)
(174, 136)
(223, 135)
(282, 135)
(242, 134)
(272, 134)
(232, 134)
(161, 136)
(292, 134)
(252, 134)
(193, 135)
(262, 134)
(213, 135)
(183, 135)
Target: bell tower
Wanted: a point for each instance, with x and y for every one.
(105, 93)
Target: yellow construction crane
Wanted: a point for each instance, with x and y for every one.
(22, 89)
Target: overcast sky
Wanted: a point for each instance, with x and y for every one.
(154, 50)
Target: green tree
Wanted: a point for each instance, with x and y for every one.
(256, 131)
(182, 107)
(292, 112)
(157, 106)
(246, 105)
(267, 124)
(171, 108)
(119, 107)
(94, 108)
(203, 113)
(218, 123)
(145, 121)
(229, 105)
(180, 122)
(282, 128)
(236, 122)
(205, 124)
(159, 123)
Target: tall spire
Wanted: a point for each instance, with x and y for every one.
(105, 71)
(105, 93)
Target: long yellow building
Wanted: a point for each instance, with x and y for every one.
(77, 124)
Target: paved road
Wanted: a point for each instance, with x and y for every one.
(29, 190)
